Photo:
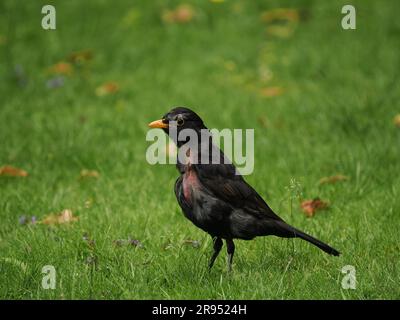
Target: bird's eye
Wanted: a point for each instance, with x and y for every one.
(180, 121)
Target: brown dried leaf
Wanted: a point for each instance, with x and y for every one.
(85, 173)
(80, 57)
(311, 206)
(181, 14)
(12, 171)
(280, 14)
(263, 121)
(282, 22)
(270, 92)
(333, 179)
(107, 88)
(62, 67)
(193, 243)
(284, 31)
(396, 121)
(64, 216)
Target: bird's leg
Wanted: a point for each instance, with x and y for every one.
(230, 248)
(217, 248)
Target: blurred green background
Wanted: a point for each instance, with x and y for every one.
(74, 108)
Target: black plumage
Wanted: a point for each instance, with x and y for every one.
(217, 199)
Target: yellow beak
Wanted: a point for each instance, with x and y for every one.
(158, 124)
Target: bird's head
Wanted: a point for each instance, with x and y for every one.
(179, 118)
(186, 128)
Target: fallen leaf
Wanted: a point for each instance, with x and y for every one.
(107, 88)
(181, 14)
(3, 40)
(85, 173)
(282, 21)
(333, 179)
(62, 67)
(263, 121)
(270, 92)
(280, 14)
(12, 172)
(284, 31)
(79, 57)
(396, 121)
(65, 216)
(311, 206)
(193, 243)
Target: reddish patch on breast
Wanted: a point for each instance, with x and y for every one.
(190, 181)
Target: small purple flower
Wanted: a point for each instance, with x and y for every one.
(55, 82)
(23, 220)
(135, 243)
(20, 76)
(89, 241)
(129, 241)
(118, 242)
(91, 260)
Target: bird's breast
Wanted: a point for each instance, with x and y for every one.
(190, 184)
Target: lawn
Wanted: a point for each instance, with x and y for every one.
(321, 100)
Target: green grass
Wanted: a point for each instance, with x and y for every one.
(335, 116)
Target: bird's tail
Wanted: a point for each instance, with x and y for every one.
(291, 232)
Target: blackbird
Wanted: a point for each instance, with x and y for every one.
(214, 196)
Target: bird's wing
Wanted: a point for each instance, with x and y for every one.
(225, 184)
